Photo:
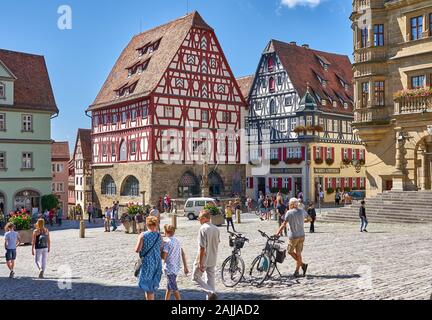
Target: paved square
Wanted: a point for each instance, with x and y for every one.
(389, 262)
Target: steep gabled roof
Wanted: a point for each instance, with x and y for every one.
(32, 87)
(171, 36)
(60, 150)
(303, 65)
(245, 84)
(84, 135)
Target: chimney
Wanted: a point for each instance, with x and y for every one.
(305, 46)
(293, 43)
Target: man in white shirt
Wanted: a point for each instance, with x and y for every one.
(208, 244)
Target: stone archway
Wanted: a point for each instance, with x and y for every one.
(423, 163)
(188, 185)
(216, 184)
(28, 199)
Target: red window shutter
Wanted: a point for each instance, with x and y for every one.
(342, 153)
(289, 184)
(357, 154)
(326, 183)
(342, 183)
(350, 154)
(364, 155)
(251, 180)
(280, 154)
(270, 182)
(324, 153)
(332, 153)
(303, 151)
(284, 156)
(350, 183)
(280, 183)
(314, 153)
(334, 183)
(358, 183)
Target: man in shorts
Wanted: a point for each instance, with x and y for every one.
(295, 219)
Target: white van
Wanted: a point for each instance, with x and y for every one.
(193, 206)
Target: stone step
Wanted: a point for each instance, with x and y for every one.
(375, 219)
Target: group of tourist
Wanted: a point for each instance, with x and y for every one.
(41, 245)
(155, 251)
(110, 216)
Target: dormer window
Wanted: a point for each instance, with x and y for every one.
(345, 105)
(335, 104)
(126, 89)
(324, 102)
(149, 47)
(138, 67)
(2, 91)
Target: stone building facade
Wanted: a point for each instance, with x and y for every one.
(393, 99)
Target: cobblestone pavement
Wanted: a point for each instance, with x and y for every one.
(389, 262)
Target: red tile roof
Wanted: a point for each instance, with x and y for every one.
(84, 135)
(172, 35)
(60, 151)
(32, 87)
(245, 84)
(303, 65)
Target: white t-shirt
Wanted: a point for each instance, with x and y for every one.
(209, 238)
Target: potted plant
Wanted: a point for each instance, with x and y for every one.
(319, 161)
(362, 162)
(216, 216)
(132, 211)
(299, 129)
(293, 160)
(22, 223)
(346, 161)
(330, 190)
(329, 161)
(274, 161)
(318, 128)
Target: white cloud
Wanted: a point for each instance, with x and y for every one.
(293, 3)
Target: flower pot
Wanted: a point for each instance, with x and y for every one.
(218, 219)
(26, 236)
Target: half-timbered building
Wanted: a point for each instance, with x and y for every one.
(299, 124)
(170, 104)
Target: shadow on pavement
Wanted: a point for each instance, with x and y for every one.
(26, 288)
(338, 276)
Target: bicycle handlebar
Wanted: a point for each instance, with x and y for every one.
(274, 238)
(238, 235)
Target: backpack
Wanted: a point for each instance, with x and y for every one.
(42, 241)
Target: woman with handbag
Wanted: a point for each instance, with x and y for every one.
(149, 247)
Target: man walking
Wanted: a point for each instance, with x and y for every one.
(280, 211)
(115, 216)
(90, 212)
(295, 218)
(205, 262)
(362, 214)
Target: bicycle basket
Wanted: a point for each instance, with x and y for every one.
(231, 242)
(239, 243)
(280, 253)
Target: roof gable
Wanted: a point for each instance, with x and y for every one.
(5, 72)
(32, 87)
(83, 139)
(168, 38)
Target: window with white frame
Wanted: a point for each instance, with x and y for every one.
(27, 122)
(318, 153)
(321, 122)
(282, 125)
(254, 154)
(104, 149)
(53, 187)
(309, 120)
(338, 185)
(231, 148)
(59, 167)
(105, 119)
(362, 182)
(60, 187)
(53, 167)
(226, 116)
(279, 80)
(2, 121)
(293, 123)
(204, 116)
(96, 121)
(288, 101)
(329, 125)
(354, 183)
(274, 182)
(285, 183)
(2, 160)
(354, 154)
(266, 153)
(346, 182)
(27, 160)
(362, 154)
(168, 112)
(133, 115)
(349, 128)
(113, 149)
(123, 117)
(144, 112)
(274, 153)
(336, 126)
(258, 105)
(132, 147)
(114, 119)
(329, 153)
(345, 153)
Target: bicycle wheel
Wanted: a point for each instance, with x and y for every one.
(272, 265)
(232, 270)
(260, 268)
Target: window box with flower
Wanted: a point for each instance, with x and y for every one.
(346, 161)
(293, 160)
(319, 160)
(329, 161)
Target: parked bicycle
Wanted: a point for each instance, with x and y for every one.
(233, 267)
(264, 265)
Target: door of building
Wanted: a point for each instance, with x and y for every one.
(261, 185)
(388, 185)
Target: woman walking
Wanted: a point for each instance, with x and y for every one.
(41, 245)
(229, 216)
(149, 247)
(312, 214)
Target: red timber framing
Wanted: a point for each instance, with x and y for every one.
(196, 105)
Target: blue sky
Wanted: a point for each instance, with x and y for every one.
(80, 59)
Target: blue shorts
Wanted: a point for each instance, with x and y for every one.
(172, 282)
(10, 254)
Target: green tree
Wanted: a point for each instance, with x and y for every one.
(49, 202)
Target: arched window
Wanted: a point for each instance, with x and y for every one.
(130, 187)
(272, 84)
(216, 184)
(273, 109)
(108, 185)
(188, 185)
(122, 153)
(270, 64)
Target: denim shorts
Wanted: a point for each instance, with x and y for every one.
(172, 282)
(10, 254)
